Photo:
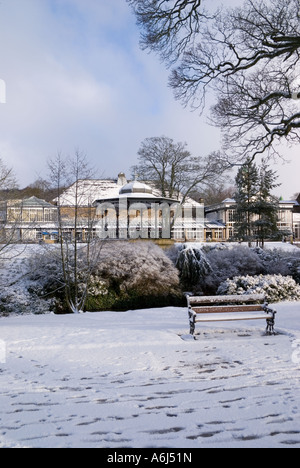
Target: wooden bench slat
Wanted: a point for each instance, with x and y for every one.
(230, 308)
(231, 317)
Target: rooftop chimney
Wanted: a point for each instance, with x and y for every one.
(122, 179)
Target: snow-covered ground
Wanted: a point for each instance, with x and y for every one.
(134, 379)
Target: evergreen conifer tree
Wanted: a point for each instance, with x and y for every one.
(247, 184)
(266, 205)
(256, 207)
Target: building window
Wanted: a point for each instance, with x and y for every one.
(231, 215)
(218, 234)
(49, 215)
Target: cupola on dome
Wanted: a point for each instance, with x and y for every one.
(136, 187)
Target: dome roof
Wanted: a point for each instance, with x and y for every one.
(136, 187)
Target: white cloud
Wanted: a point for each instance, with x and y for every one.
(75, 77)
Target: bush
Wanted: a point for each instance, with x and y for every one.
(285, 263)
(127, 276)
(205, 267)
(134, 275)
(19, 292)
(231, 262)
(276, 287)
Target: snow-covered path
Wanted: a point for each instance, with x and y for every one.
(130, 380)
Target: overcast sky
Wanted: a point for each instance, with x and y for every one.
(76, 78)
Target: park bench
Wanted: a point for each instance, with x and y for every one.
(228, 308)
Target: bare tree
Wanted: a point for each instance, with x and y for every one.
(216, 192)
(8, 184)
(248, 56)
(8, 179)
(173, 169)
(76, 215)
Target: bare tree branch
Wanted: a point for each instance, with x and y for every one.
(169, 26)
(248, 56)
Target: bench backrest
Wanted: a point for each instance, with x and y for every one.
(247, 299)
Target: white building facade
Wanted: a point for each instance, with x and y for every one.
(223, 215)
(134, 209)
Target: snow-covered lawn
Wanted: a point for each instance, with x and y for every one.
(133, 380)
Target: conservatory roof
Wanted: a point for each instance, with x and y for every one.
(36, 202)
(215, 225)
(32, 202)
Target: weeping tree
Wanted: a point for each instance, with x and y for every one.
(247, 56)
(193, 266)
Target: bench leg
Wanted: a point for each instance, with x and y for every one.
(270, 326)
(192, 328)
(192, 322)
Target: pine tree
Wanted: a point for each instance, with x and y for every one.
(256, 207)
(266, 205)
(247, 183)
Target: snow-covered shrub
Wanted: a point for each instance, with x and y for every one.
(228, 263)
(127, 275)
(294, 266)
(134, 274)
(277, 261)
(19, 293)
(276, 287)
(205, 267)
(18, 300)
(97, 286)
(46, 272)
(208, 266)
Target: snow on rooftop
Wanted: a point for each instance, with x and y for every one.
(89, 191)
(229, 200)
(107, 189)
